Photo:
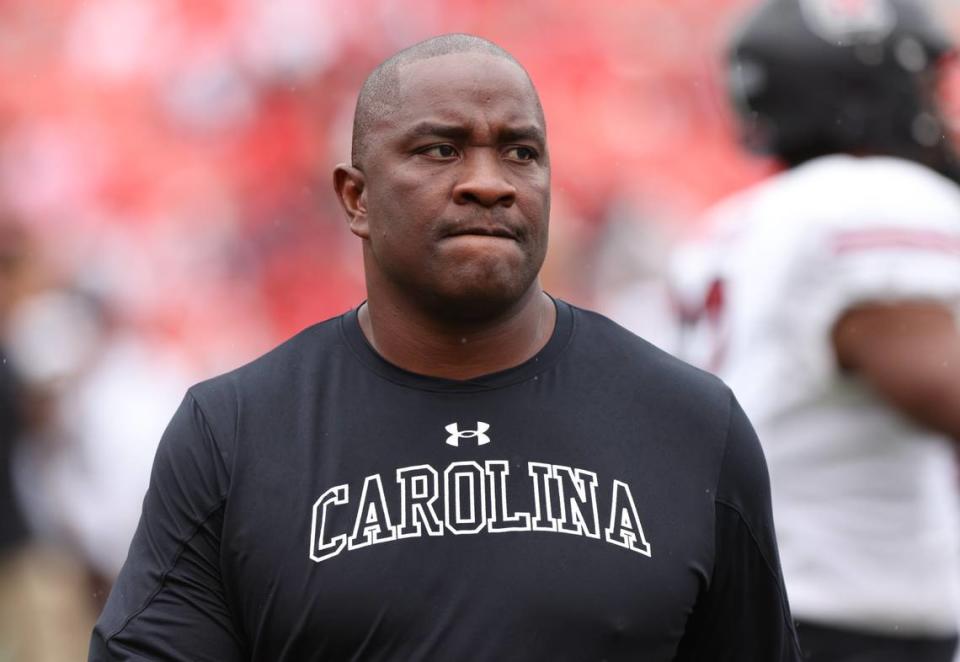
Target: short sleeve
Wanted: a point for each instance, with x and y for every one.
(743, 614)
(895, 240)
(169, 600)
(892, 262)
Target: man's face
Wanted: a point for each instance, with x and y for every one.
(457, 192)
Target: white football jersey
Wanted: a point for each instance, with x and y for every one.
(865, 501)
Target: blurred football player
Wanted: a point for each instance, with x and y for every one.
(827, 297)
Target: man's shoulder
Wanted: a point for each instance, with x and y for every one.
(811, 212)
(838, 186)
(871, 170)
(870, 190)
(623, 354)
(277, 370)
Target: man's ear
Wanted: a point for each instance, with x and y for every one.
(350, 186)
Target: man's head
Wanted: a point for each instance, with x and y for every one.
(449, 186)
(379, 92)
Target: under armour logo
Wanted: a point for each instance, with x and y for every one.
(456, 435)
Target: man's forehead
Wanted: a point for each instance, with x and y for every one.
(453, 86)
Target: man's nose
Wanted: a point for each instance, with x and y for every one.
(483, 181)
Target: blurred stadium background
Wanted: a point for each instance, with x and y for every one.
(166, 213)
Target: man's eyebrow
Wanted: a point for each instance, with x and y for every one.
(530, 132)
(438, 129)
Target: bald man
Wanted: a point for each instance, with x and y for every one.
(462, 468)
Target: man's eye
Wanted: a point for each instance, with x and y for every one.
(521, 153)
(440, 151)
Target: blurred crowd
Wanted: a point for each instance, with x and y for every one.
(164, 147)
(166, 213)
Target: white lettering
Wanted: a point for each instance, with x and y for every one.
(372, 525)
(320, 549)
(475, 499)
(578, 492)
(465, 509)
(418, 491)
(543, 519)
(625, 529)
(500, 519)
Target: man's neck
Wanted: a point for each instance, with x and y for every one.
(418, 342)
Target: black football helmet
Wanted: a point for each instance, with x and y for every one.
(816, 77)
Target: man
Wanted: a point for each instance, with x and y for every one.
(462, 468)
(827, 300)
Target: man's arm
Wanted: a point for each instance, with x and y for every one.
(742, 615)
(169, 601)
(909, 352)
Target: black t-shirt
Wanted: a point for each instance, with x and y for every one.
(601, 501)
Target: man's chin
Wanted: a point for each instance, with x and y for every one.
(476, 302)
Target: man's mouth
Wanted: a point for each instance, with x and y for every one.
(483, 231)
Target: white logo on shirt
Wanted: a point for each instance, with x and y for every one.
(467, 498)
(456, 435)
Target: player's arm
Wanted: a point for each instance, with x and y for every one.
(909, 352)
(169, 602)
